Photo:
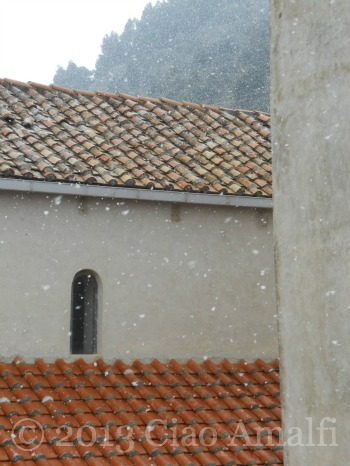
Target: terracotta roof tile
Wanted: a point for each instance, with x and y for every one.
(101, 414)
(51, 133)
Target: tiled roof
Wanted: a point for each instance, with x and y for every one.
(101, 414)
(55, 134)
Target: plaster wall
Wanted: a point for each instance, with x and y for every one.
(176, 280)
(310, 119)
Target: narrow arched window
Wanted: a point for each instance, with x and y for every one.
(84, 313)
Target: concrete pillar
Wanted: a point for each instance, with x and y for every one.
(310, 53)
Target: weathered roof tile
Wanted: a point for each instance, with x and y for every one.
(52, 133)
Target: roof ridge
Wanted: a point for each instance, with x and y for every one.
(128, 96)
(63, 89)
(39, 85)
(150, 99)
(196, 106)
(106, 94)
(16, 82)
(244, 111)
(135, 98)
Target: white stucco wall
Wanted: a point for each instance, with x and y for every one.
(176, 280)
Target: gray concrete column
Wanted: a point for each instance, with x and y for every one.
(310, 53)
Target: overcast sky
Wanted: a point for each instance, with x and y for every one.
(38, 35)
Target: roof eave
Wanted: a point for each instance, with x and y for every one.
(109, 192)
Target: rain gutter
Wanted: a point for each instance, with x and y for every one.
(110, 192)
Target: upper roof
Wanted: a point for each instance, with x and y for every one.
(103, 414)
(53, 134)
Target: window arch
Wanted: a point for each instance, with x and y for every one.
(84, 313)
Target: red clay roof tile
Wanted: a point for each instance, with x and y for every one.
(51, 133)
(120, 414)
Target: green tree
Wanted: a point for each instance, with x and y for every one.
(210, 51)
(74, 77)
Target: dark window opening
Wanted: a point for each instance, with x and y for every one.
(84, 314)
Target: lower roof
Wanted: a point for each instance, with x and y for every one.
(101, 414)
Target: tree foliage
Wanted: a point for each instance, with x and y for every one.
(210, 51)
(75, 77)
